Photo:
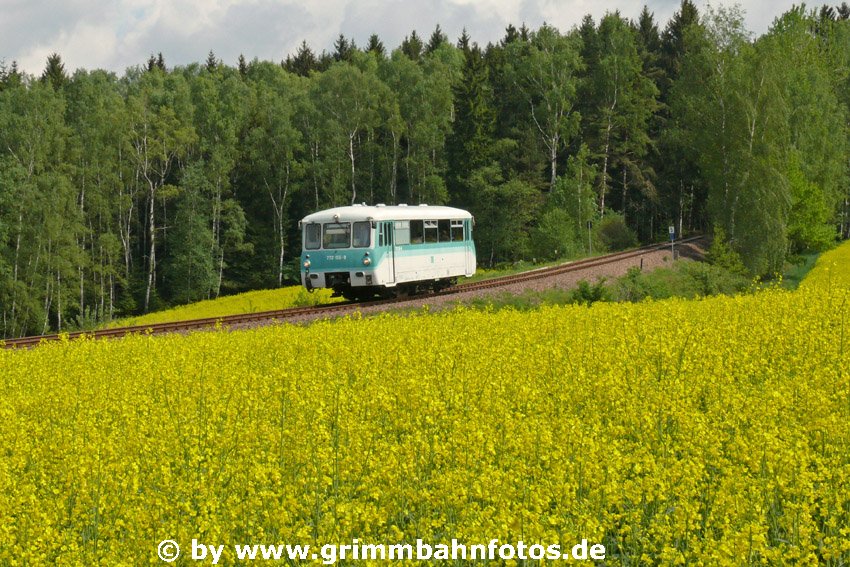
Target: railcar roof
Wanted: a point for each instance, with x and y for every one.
(387, 212)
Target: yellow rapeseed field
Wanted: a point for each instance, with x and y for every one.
(708, 432)
(831, 270)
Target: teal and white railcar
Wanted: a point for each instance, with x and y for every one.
(362, 251)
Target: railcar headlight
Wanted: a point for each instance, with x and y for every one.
(367, 260)
(306, 263)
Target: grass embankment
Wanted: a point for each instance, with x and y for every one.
(248, 302)
(685, 279)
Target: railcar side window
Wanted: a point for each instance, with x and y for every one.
(445, 232)
(312, 236)
(417, 233)
(431, 231)
(402, 233)
(457, 230)
(362, 234)
(337, 235)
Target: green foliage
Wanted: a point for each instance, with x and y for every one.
(90, 319)
(470, 146)
(422, 116)
(797, 268)
(809, 226)
(545, 69)
(635, 286)
(556, 237)
(54, 74)
(624, 99)
(586, 293)
(816, 164)
(189, 267)
(722, 255)
(740, 157)
(561, 230)
(683, 279)
(615, 234)
(501, 236)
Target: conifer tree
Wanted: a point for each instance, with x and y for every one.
(673, 47)
(343, 49)
(376, 46)
(412, 46)
(470, 143)
(212, 63)
(304, 61)
(54, 74)
(437, 39)
(680, 191)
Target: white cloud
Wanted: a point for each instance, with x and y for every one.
(118, 34)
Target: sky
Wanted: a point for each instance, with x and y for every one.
(117, 34)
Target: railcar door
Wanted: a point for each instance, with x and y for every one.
(469, 246)
(387, 229)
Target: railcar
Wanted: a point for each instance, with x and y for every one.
(364, 251)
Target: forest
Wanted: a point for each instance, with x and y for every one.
(125, 194)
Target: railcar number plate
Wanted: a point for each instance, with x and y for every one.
(336, 257)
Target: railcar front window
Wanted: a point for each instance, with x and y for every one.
(312, 236)
(362, 234)
(337, 235)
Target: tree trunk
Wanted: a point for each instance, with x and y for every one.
(111, 296)
(220, 273)
(608, 129)
(691, 210)
(604, 187)
(82, 291)
(351, 157)
(625, 193)
(58, 302)
(394, 175)
(152, 243)
(553, 164)
(314, 156)
(410, 190)
(17, 262)
(216, 233)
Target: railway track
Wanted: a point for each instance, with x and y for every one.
(335, 308)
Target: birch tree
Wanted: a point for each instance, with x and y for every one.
(161, 132)
(546, 72)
